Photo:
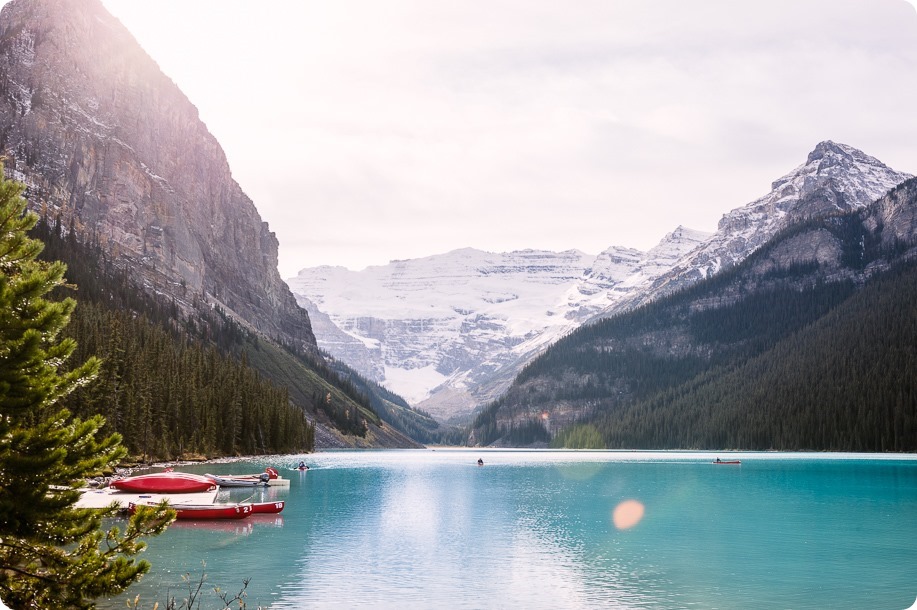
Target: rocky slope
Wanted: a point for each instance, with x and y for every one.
(104, 140)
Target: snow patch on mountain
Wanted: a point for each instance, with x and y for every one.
(450, 324)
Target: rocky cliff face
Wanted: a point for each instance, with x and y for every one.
(894, 217)
(103, 139)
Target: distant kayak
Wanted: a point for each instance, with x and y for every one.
(733, 462)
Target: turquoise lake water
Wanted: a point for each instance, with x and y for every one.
(547, 529)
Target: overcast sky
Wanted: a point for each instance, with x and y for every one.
(369, 130)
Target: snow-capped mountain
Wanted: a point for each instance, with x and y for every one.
(835, 178)
(451, 331)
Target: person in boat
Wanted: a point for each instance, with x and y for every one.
(302, 466)
(480, 462)
(717, 459)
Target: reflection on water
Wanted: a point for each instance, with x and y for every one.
(230, 527)
(422, 529)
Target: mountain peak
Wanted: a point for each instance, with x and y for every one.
(829, 147)
(836, 152)
(851, 174)
(835, 178)
(683, 232)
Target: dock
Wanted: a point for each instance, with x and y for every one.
(103, 497)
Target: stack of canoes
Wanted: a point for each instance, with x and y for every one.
(182, 482)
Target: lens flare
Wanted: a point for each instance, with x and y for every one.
(627, 514)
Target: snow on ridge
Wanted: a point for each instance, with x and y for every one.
(468, 313)
(835, 178)
(436, 286)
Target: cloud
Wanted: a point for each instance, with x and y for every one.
(367, 131)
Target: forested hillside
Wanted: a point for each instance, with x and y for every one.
(811, 343)
(394, 410)
(847, 382)
(177, 385)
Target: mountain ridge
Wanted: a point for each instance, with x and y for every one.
(485, 311)
(801, 346)
(835, 178)
(449, 373)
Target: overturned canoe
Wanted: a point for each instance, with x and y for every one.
(165, 482)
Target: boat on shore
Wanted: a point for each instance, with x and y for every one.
(269, 477)
(245, 480)
(164, 482)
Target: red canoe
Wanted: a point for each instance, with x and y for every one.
(192, 512)
(165, 482)
(267, 507)
(727, 462)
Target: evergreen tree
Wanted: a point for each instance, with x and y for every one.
(52, 555)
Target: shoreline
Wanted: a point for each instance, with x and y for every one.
(125, 471)
(228, 460)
